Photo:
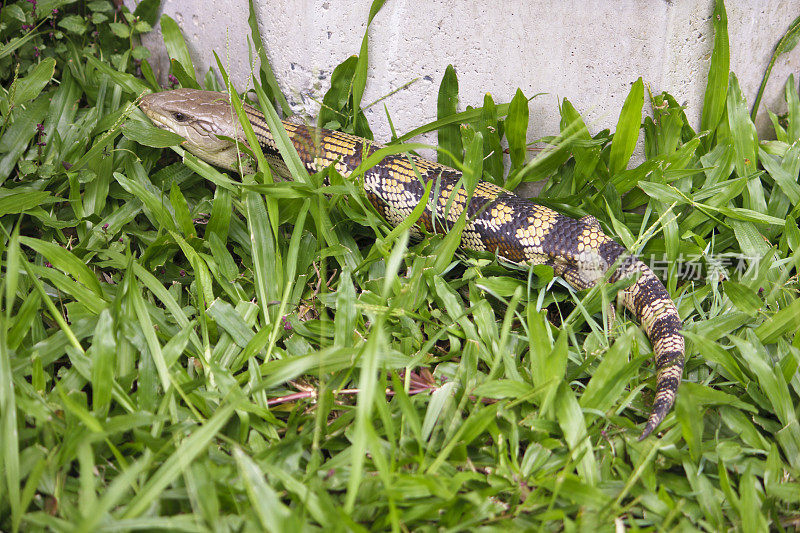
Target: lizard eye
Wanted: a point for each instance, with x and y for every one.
(180, 117)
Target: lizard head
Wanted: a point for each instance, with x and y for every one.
(200, 117)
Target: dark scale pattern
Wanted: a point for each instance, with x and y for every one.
(518, 230)
(523, 232)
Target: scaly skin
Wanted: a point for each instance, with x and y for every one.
(516, 229)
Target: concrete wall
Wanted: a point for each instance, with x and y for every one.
(588, 51)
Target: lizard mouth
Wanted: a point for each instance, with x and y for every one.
(154, 117)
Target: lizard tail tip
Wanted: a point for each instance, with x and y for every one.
(652, 423)
(665, 397)
(667, 382)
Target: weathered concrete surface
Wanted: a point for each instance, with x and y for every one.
(587, 51)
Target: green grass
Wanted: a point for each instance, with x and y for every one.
(182, 349)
